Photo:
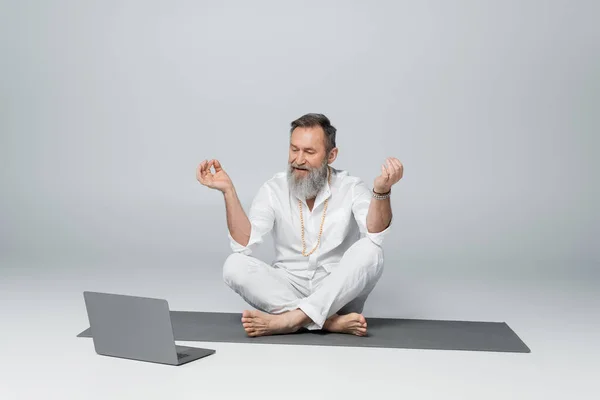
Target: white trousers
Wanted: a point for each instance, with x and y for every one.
(275, 290)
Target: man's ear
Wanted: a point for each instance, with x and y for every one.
(332, 155)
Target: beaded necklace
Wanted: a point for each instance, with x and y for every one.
(322, 220)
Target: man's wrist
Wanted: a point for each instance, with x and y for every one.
(381, 192)
(228, 191)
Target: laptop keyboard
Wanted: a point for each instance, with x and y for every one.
(181, 355)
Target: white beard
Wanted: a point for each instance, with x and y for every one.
(307, 186)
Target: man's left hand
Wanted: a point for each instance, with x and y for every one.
(391, 173)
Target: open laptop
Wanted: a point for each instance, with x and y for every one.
(137, 328)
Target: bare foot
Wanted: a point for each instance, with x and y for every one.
(353, 323)
(258, 323)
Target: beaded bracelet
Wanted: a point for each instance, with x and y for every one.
(381, 196)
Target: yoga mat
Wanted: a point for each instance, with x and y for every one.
(382, 332)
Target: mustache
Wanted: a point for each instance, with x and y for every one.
(299, 167)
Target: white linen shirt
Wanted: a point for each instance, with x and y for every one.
(275, 210)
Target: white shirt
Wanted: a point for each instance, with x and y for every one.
(275, 210)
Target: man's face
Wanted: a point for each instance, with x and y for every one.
(307, 161)
(307, 149)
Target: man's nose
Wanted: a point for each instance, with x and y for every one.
(300, 159)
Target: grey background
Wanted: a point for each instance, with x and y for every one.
(107, 107)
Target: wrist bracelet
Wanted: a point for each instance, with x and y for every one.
(381, 196)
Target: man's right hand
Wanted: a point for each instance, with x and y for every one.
(219, 180)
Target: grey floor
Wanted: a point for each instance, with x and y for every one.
(41, 308)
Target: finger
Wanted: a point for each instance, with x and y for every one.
(205, 167)
(397, 163)
(218, 166)
(214, 163)
(395, 172)
(388, 170)
(391, 166)
(384, 172)
(400, 169)
(207, 174)
(201, 171)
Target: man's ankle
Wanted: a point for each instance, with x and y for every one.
(330, 320)
(299, 318)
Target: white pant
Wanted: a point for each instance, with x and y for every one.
(275, 290)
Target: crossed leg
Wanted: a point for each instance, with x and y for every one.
(284, 303)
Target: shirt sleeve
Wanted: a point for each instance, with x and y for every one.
(361, 200)
(262, 219)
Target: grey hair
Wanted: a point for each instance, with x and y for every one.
(312, 120)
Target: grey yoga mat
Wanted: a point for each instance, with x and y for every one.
(382, 332)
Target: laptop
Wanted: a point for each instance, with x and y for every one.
(136, 328)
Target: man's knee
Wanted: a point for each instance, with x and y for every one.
(368, 255)
(234, 269)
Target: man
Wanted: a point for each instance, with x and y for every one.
(328, 229)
